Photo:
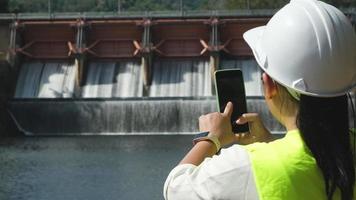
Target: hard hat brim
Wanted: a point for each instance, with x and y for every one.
(253, 39)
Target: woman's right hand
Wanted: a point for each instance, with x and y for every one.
(258, 132)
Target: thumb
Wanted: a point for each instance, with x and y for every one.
(248, 117)
(228, 109)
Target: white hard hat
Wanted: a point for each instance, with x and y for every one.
(308, 46)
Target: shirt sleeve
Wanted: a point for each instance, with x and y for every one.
(225, 176)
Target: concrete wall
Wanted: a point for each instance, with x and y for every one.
(7, 81)
(4, 40)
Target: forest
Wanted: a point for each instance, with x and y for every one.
(20, 6)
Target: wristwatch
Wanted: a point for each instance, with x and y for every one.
(204, 136)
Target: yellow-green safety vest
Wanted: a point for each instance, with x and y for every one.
(286, 170)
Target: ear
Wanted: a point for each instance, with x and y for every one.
(269, 85)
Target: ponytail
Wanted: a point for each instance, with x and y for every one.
(323, 123)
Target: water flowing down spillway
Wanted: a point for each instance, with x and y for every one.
(107, 79)
(181, 78)
(112, 99)
(46, 80)
(193, 77)
(113, 79)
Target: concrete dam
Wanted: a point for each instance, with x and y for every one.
(73, 75)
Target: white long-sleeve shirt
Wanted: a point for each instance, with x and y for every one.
(225, 176)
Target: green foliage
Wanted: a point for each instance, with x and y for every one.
(268, 4)
(3, 6)
(342, 3)
(145, 5)
(27, 6)
(139, 5)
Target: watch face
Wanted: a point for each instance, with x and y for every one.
(202, 134)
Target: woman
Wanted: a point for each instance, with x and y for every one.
(307, 53)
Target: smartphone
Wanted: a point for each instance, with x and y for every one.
(229, 86)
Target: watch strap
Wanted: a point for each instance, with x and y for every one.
(211, 138)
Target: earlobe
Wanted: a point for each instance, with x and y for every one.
(270, 86)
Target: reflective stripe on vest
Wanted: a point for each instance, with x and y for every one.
(285, 169)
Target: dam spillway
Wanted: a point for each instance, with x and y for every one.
(112, 101)
(177, 96)
(45, 80)
(105, 79)
(113, 79)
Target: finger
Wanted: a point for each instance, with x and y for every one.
(241, 120)
(237, 138)
(248, 117)
(201, 118)
(228, 109)
(242, 137)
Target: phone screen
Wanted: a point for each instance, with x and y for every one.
(229, 86)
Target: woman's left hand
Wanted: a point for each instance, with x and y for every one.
(219, 124)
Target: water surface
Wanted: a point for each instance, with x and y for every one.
(88, 167)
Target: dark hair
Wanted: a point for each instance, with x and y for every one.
(324, 125)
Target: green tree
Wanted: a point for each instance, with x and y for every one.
(146, 5)
(3, 6)
(28, 6)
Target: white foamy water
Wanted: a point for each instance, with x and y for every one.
(107, 79)
(46, 80)
(181, 78)
(113, 79)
